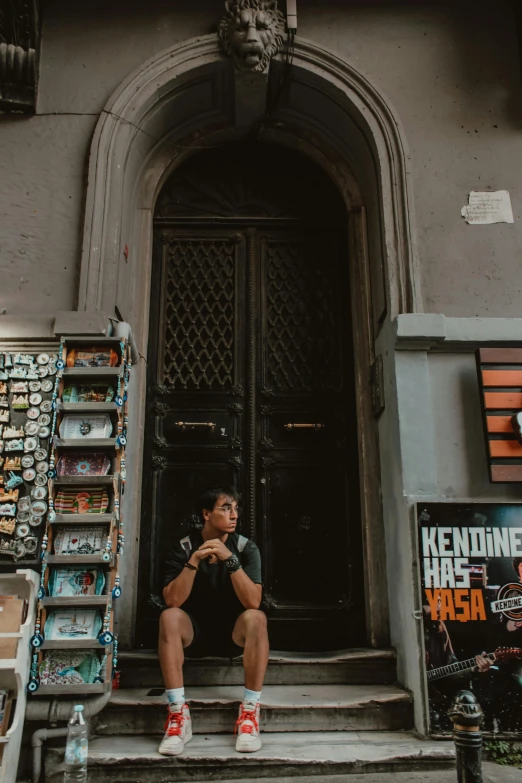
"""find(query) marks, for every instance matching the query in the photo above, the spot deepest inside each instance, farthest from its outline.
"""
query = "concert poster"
(471, 572)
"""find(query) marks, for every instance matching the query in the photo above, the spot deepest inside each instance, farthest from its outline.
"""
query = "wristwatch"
(232, 563)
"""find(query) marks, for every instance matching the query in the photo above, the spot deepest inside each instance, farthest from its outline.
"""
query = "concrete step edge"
(276, 657)
(284, 697)
(295, 748)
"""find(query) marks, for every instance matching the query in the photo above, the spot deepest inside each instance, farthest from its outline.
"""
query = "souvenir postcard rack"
(74, 645)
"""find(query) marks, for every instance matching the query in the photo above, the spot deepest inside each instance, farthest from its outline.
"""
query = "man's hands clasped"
(214, 550)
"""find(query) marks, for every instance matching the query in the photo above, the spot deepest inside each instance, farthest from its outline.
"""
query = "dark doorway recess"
(250, 337)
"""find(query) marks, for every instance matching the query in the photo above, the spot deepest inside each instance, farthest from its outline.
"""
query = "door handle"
(317, 426)
(188, 425)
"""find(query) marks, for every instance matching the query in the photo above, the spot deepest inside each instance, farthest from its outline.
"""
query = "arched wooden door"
(251, 383)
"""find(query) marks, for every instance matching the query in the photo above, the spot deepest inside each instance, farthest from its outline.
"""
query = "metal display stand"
(14, 672)
(110, 522)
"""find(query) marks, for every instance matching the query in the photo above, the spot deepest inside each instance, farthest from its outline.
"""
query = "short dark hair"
(209, 497)
(516, 563)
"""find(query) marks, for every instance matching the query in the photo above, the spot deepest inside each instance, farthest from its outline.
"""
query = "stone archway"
(180, 101)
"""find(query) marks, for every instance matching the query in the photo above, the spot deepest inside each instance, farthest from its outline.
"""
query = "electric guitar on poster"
(501, 655)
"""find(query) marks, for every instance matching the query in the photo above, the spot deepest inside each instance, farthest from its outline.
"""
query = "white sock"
(176, 695)
(251, 696)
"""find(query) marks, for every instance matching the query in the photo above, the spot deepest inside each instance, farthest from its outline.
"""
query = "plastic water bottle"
(77, 747)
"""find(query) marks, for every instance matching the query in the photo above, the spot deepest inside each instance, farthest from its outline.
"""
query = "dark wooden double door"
(251, 384)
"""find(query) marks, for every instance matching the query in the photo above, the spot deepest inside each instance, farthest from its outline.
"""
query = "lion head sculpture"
(252, 31)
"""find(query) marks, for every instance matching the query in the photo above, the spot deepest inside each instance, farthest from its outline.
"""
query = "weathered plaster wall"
(450, 70)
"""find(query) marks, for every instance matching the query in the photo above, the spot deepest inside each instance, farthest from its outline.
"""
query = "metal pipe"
(37, 740)
(467, 716)
(54, 710)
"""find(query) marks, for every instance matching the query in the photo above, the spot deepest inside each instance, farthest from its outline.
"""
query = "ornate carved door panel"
(251, 384)
(250, 374)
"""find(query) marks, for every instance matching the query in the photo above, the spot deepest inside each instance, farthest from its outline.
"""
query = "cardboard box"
(12, 615)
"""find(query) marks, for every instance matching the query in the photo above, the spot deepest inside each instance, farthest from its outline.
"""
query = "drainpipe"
(37, 741)
(54, 710)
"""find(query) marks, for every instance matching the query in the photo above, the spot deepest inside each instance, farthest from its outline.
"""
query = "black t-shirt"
(212, 593)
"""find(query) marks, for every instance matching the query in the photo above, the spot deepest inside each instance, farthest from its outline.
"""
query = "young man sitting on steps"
(213, 593)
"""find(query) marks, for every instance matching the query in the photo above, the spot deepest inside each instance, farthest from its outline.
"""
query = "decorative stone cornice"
(130, 126)
(19, 48)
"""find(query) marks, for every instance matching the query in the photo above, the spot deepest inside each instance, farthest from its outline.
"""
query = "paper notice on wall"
(488, 207)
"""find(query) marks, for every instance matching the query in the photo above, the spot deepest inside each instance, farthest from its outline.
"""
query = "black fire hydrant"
(467, 716)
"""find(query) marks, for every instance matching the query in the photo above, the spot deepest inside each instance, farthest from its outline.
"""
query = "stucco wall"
(450, 70)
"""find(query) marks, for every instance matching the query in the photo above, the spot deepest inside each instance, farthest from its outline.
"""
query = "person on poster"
(213, 592)
(439, 653)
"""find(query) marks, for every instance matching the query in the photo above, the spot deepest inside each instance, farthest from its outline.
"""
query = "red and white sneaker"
(247, 728)
(178, 730)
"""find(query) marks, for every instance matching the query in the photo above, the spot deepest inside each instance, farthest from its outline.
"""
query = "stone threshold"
(129, 758)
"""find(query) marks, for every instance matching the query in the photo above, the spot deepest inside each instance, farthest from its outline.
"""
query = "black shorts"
(212, 638)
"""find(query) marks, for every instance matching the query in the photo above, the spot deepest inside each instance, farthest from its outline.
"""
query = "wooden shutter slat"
(500, 355)
(499, 424)
(505, 448)
(505, 473)
(502, 377)
(503, 400)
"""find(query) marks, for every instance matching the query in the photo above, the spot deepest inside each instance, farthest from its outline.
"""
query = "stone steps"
(128, 759)
(357, 666)
(285, 708)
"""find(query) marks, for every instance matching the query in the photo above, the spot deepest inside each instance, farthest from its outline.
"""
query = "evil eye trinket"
(37, 640)
(105, 638)
(59, 364)
(33, 685)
